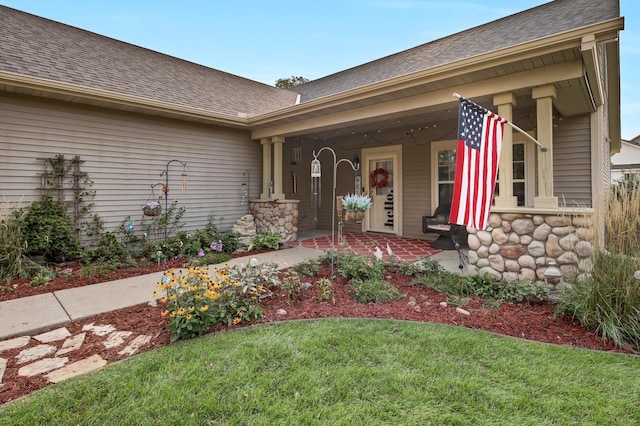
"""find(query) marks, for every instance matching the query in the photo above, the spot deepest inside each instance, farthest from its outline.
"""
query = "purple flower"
(216, 246)
(201, 253)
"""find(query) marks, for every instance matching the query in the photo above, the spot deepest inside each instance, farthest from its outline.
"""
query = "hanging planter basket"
(152, 210)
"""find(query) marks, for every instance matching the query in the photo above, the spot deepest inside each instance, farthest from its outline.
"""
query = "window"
(443, 166)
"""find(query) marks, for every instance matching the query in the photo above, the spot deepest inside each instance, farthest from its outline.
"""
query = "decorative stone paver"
(3, 367)
(34, 353)
(38, 359)
(116, 339)
(72, 344)
(135, 345)
(74, 369)
(99, 330)
(53, 335)
(43, 366)
(15, 343)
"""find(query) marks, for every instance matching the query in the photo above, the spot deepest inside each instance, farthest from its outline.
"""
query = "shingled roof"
(543, 21)
(41, 48)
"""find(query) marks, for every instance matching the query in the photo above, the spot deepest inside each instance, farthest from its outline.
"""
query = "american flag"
(479, 142)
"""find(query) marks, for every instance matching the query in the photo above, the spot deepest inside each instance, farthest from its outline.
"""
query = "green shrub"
(268, 239)
(230, 240)
(482, 286)
(291, 284)
(326, 291)
(307, 268)
(373, 291)
(96, 270)
(356, 267)
(49, 231)
(444, 282)
(40, 280)
(211, 258)
(109, 249)
(253, 274)
(14, 262)
(164, 225)
(609, 300)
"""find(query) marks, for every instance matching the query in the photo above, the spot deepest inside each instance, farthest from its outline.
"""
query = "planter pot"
(353, 216)
(151, 212)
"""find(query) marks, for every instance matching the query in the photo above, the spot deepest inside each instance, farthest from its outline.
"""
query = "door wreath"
(379, 178)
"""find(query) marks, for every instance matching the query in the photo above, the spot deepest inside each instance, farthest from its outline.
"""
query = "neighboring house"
(128, 111)
(626, 162)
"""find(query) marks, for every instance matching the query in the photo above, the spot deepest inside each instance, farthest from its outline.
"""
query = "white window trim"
(435, 147)
(529, 160)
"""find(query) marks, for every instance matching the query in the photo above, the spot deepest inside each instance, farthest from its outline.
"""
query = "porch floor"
(406, 249)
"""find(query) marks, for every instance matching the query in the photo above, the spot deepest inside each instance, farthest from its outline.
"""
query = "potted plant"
(355, 206)
(152, 208)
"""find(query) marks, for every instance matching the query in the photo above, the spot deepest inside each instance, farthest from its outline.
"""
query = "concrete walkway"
(34, 314)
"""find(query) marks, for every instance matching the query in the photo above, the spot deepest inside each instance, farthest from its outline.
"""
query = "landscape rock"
(116, 339)
(72, 344)
(135, 345)
(74, 369)
(246, 229)
(99, 330)
(34, 353)
(14, 343)
(43, 366)
(53, 335)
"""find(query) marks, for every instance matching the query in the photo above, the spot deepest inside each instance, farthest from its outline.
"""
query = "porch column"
(544, 97)
(278, 142)
(266, 167)
(505, 103)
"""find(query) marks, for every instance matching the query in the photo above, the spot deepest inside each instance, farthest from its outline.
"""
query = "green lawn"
(347, 372)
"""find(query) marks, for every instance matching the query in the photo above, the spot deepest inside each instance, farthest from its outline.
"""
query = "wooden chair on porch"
(438, 223)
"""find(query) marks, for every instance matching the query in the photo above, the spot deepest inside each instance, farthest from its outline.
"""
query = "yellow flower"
(165, 313)
(204, 308)
(239, 313)
(236, 321)
(189, 316)
(192, 308)
(164, 299)
(172, 314)
(181, 311)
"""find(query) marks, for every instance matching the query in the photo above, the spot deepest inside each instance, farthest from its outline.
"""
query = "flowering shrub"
(196, 301)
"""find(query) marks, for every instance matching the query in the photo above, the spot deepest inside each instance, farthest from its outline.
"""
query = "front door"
(382, 180)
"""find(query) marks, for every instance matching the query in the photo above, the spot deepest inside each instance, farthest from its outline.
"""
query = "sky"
(265, 40)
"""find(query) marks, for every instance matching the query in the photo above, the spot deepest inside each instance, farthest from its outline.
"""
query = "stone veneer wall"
(519, 246)
(280, 216)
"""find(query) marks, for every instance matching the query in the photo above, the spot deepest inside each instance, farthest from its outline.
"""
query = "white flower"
(389, 252)
(378, 253)
(254, 262)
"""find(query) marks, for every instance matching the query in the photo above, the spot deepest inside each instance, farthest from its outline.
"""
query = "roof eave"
(120, 101)
(602, 31)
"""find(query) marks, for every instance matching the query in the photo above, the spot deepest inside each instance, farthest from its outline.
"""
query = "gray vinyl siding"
(417, 187)
(124, 154)
(572, 162)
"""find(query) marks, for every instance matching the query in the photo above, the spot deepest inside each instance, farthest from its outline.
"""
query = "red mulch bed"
(533, 322)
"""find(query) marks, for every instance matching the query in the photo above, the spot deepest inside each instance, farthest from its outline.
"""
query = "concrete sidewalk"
(34, 314)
